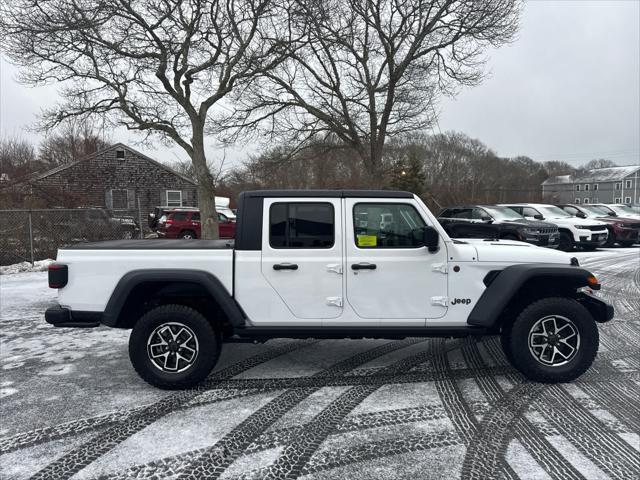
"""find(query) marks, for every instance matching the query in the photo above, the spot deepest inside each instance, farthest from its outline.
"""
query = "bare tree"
(160, 67)
(367, 70)
(17, 159)
(598, 163)
(73, 141)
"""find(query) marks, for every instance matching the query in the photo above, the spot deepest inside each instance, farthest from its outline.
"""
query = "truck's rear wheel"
(173, 347)
(553, 340)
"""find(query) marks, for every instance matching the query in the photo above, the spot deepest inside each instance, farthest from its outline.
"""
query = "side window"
(464, 213)
(571, 210)
(529, 212)
(385, 225)
(301, 225)
(179, 216)
(221, 218)
(195, 217)
(478, 214)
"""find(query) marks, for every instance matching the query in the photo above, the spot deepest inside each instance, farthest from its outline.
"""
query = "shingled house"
(117, 178)
(599, 185)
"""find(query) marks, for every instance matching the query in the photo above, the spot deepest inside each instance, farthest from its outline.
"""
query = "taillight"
(168, 222)
(58, 275)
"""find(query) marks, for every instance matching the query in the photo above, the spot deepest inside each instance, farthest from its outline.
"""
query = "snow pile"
(39, 266)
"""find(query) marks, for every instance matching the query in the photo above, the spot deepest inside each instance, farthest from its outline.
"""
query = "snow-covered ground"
(72, 406)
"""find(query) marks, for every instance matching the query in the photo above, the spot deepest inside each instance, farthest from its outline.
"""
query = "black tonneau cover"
(154, 244)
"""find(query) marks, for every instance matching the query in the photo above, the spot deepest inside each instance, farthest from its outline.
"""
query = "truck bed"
(154, 244)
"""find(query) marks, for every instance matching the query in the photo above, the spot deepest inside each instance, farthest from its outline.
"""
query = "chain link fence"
(31, 235)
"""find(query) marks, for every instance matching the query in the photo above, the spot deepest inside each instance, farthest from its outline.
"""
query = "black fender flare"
(507, 283)
(208, 281)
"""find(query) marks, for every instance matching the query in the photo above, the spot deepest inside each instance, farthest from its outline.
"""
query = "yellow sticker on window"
(367, 240)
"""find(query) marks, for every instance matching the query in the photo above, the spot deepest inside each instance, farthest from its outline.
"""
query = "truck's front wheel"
(553, 340)
(173, 347)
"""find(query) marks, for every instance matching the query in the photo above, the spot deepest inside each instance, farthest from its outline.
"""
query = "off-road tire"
(517, 340)
(566, 242)
(208, 351)
(188, 234)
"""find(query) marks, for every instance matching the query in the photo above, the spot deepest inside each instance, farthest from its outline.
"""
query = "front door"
(302, 254)
(387, 275)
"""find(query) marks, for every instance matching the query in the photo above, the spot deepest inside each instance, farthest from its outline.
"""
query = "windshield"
(622, 209)
(551, 211)
(503, 213)
(601, 212)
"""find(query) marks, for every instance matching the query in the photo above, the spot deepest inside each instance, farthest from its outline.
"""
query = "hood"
(525, 222)
(580, 221)
(512, 251)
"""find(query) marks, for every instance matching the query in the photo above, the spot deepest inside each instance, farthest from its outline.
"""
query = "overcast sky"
(567, 89)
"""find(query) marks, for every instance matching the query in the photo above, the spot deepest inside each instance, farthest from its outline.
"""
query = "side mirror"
(612, 214)
(430, 238)
(537, 216)
(581, 215)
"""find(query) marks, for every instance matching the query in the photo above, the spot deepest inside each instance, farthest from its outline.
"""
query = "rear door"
(387, 276)
(302, 254)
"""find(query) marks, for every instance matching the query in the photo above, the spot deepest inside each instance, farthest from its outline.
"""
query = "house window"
(174, 198)
(586, 187)
(586, 200)
(616, 200)
(627, 200)
(577, 188)
(119, 199)
(627, 184)
(595, 186)
(618, 186)
(577, 201)
(120, 154)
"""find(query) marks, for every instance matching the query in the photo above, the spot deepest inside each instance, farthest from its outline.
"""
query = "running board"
(260, 334)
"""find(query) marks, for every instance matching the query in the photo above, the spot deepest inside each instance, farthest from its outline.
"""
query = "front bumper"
(592, 240)
(63, 317)
(549, 241)
(600, 310)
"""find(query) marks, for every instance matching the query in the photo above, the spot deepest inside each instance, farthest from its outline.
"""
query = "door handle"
(363, 266)
(285, 266)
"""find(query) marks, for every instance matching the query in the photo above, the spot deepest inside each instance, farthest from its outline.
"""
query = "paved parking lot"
(71, 404)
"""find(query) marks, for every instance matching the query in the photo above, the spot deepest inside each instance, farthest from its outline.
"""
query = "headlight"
(581, 227)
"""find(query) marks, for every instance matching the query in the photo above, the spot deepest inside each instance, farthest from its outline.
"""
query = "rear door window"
(301, 225)
(179, 216)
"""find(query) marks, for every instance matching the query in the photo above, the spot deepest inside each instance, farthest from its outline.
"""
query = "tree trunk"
(206, 189)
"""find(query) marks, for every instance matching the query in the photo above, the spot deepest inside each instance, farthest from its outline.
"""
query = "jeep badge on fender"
(465, 301)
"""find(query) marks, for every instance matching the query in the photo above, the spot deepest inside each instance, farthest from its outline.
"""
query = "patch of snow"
(22, 267)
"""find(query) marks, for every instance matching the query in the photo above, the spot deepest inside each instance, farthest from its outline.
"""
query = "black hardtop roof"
(327, 193)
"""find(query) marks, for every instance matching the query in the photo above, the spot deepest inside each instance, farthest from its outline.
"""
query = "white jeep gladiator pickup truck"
(329, 264)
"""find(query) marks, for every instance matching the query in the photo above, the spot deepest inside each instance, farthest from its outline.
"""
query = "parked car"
(574, 232)
(485, 221)
(185, 223)
(96, 223)
(624, 231)
(159, 214)
(330, 264)
(618, 210)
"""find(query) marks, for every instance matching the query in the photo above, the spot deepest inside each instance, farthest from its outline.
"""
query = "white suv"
(586, 233)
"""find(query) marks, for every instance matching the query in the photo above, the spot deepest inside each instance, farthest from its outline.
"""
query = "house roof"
(61, 168)
(610, 174)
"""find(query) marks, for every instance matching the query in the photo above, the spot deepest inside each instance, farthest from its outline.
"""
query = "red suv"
(181, 223)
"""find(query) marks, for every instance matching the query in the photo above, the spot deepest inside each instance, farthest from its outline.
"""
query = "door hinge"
(334, 301)
(335, 267)
(442, 301)
(440, 267)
